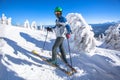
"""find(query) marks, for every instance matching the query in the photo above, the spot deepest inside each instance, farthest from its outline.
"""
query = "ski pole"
(69, 51)
(45, 41)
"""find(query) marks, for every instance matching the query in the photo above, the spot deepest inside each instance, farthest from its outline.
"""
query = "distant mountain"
(100, 28)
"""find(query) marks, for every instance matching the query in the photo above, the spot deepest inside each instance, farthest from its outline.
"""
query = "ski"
(67, 64)
(69, 73)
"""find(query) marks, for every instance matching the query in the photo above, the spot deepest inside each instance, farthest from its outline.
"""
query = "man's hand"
(67, 35)
(49, 29)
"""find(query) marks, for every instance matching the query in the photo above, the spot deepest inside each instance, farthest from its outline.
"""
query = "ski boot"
(54, 62)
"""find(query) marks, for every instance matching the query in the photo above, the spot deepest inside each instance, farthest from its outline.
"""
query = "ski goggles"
(57, 12)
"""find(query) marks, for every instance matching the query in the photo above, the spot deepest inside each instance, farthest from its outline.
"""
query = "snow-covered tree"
(9, 21)
(112, 39)
(101, 37)
(41, 27)
(83, 36)
(33, 25)
(26, 24)
(3, 19)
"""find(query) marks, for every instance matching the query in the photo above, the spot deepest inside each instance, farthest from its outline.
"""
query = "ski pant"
(58, 44)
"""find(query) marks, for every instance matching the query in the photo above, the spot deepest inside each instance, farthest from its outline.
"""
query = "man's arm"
(68, 31)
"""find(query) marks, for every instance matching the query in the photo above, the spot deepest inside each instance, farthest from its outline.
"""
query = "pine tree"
(26, 24)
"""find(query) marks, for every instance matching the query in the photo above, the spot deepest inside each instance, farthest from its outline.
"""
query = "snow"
(18, 63)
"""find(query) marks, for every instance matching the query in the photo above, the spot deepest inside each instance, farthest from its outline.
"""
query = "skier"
(60, 30)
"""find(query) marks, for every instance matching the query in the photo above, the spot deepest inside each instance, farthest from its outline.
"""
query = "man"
(60, 30)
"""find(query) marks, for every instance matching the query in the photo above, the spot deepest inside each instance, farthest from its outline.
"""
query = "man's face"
(58, 14)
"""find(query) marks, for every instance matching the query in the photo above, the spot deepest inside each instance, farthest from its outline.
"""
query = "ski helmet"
(58, 9)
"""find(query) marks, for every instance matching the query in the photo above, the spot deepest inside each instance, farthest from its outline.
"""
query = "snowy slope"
(18, 63)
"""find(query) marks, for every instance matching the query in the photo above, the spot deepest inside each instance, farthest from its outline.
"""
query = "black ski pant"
(58, 44)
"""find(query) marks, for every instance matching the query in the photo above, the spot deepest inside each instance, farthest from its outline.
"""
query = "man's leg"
(63, 54)
(57, 43)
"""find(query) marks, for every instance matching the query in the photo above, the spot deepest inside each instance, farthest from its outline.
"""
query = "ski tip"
(34, 51)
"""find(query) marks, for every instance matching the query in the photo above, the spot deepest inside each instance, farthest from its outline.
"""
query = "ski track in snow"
(18, 63)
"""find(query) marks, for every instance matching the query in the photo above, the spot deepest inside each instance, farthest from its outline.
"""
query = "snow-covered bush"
(83, 36)
(112, 39)
(26, 24)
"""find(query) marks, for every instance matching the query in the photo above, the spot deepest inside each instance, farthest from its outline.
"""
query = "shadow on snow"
(6, 74)
(19, 61)
(38, 43)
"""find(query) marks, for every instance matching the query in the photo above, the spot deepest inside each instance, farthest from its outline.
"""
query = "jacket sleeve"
(54, 27)
(64, 23)
(68, 29)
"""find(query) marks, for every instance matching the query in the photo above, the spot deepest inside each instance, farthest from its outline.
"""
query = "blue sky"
(42, 11)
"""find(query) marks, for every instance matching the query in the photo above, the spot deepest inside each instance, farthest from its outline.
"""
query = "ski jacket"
(62, 27)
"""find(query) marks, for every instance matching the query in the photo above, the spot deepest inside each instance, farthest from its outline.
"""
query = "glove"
(67, 35)
(49, 29)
